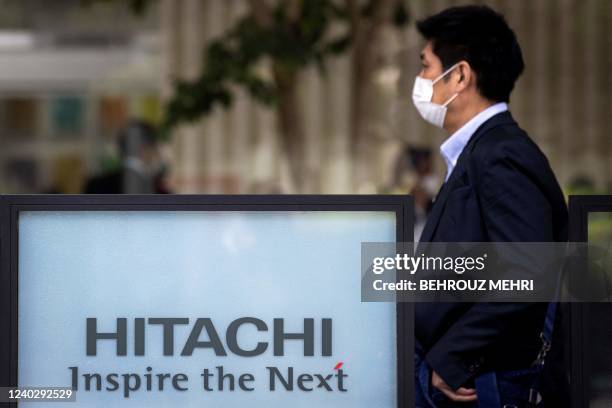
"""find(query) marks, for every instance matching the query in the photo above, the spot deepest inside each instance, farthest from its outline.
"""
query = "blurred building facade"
(564, 100)
(122, 65)
(70, 76)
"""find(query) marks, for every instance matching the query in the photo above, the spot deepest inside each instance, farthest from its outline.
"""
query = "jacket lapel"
(433, 219)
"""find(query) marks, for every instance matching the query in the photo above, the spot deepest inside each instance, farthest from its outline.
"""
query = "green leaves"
(292, 41)
(289, 43)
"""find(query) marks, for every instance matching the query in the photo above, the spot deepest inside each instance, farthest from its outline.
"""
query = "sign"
(221, 301)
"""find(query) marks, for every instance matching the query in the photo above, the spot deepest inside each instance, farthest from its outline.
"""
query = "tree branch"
(262, 12)
(293, 8)
(354, 14)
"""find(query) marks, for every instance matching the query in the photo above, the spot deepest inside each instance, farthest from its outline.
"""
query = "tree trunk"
(291, 127)
(290, 123)
(366, 59)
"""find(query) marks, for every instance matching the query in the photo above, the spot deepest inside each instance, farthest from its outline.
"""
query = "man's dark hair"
(480, 36)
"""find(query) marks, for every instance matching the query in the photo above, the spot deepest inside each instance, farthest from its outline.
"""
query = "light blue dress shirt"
(454, 145)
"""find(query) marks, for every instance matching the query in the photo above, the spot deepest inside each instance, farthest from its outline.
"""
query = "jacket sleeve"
(513, 209)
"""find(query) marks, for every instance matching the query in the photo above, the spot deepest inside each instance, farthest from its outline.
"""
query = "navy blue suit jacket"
(502, 189)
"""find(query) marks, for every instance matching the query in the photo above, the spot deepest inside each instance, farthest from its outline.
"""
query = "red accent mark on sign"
(338, 366)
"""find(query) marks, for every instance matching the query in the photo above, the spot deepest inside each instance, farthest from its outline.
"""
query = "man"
(498, 187)
(141, 170)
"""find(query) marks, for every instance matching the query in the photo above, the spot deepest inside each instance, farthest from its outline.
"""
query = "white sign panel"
(204, 309)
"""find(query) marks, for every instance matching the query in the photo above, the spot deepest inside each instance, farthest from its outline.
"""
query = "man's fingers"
(461, 395)
(465, 391)
(453, 396)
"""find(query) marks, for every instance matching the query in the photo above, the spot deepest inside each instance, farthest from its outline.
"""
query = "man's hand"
(461, 395)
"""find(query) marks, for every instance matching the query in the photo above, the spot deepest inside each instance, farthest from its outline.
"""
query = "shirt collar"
(454, 145)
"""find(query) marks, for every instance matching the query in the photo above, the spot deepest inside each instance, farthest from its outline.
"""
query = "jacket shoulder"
(507, 143)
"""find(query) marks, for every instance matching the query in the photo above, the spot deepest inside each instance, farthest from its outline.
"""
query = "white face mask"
(422, 93)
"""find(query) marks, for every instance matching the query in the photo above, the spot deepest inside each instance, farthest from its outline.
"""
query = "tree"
(291, 35)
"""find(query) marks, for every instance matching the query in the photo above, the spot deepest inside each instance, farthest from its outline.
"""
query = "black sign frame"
(580, 206)
(12, 205)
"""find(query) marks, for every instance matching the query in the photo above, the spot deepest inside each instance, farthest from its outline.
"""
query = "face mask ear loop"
(444, 73)
(452, 98)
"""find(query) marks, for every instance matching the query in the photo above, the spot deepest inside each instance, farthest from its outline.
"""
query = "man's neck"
(455, 121)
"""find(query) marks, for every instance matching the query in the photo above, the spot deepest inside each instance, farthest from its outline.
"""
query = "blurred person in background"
(141, 171)
(413, 174)
(425, 187)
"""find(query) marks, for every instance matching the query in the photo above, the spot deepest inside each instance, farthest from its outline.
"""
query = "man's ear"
(466, 76)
